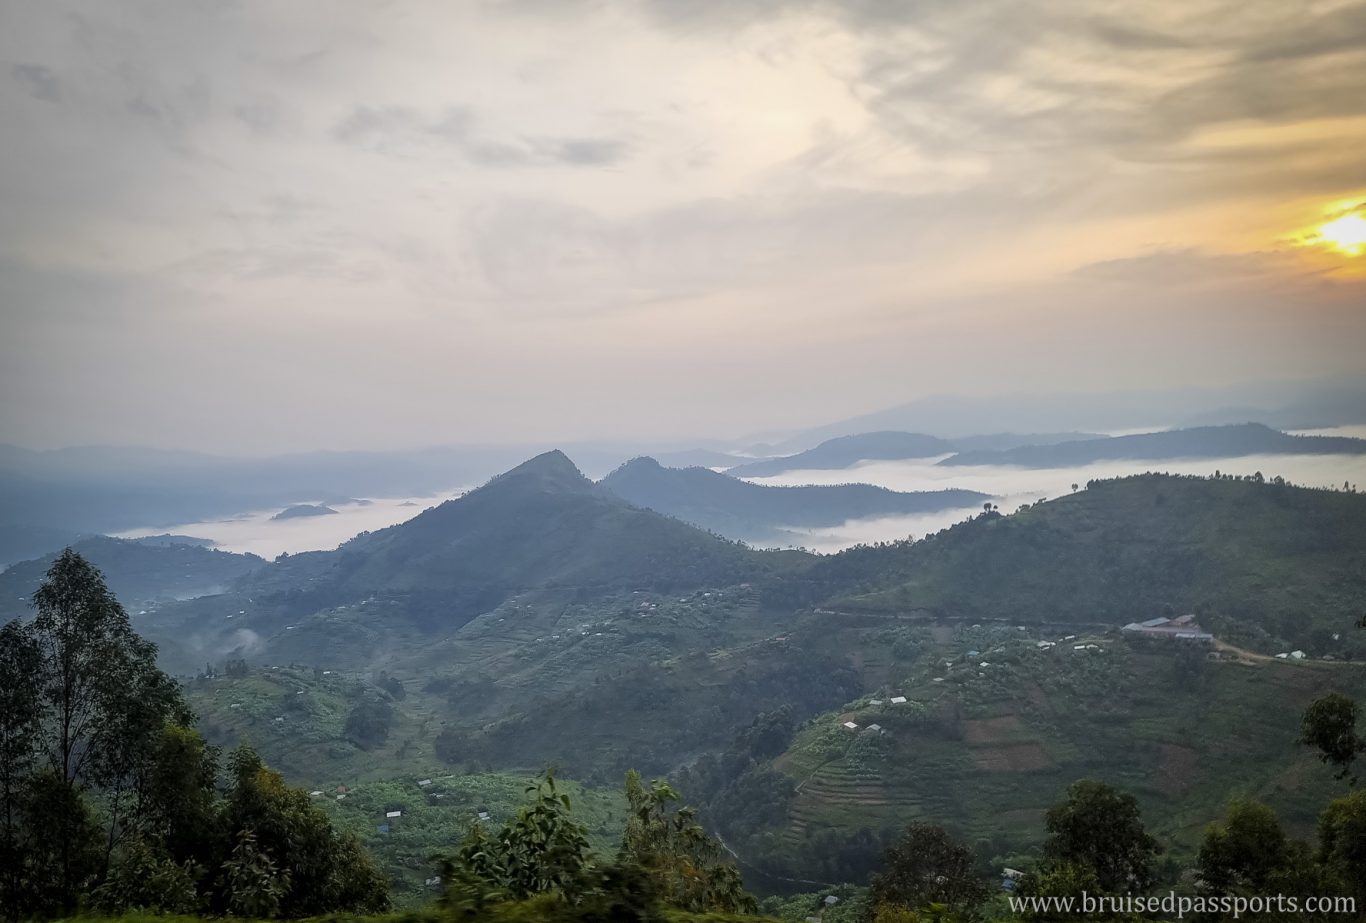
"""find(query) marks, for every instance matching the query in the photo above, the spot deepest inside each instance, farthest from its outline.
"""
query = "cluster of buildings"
(1181, 628)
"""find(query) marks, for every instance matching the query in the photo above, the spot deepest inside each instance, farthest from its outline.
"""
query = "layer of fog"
(256, 533)
(1012, 486)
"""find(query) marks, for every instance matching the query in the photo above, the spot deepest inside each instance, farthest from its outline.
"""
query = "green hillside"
(985, 743)
(541, 532)
(739, 689)
(1266, 564)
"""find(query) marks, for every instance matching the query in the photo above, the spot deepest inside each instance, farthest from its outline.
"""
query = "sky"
(266, 227)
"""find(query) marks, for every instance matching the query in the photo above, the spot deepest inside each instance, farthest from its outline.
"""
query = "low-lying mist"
(257, 533)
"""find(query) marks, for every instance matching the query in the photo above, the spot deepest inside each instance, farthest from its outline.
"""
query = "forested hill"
(1197, 442)
(757, 512)
(541, 528)
(542, 524)
(1268, 559)
(848, 450)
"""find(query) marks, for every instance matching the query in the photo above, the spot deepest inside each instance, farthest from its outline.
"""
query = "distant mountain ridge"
(844, 451)
(763, 513)
(1277, 404)
(1196, 442)
(303, 511)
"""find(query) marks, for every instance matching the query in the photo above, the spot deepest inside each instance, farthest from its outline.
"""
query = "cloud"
(38, 81)
(404, 131)
(579, 216)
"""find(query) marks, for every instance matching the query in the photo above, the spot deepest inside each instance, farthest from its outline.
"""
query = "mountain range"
(844, 451)
(767, 514)
(1197, 442)
(546, 618)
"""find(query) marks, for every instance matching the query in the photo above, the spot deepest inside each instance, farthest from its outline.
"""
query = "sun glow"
(1346, 234)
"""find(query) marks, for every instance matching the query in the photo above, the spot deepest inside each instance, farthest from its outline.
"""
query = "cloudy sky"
(271, 226)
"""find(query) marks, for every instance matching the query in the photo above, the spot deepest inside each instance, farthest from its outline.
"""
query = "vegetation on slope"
(1265, 563)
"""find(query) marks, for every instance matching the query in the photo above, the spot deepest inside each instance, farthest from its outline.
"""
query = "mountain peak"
(640, 464)
(552, 468)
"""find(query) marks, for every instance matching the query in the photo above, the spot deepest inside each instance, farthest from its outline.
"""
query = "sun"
(1346, 234)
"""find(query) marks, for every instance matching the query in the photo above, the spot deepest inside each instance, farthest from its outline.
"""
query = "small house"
(388, 814)
(898, 700)
(851, 725)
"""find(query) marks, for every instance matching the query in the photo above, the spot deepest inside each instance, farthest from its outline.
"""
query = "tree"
(61, 846)
(175, 804)
(367, 726)
(1245, 852)
(1249, 854)
(327, 871)
(84, 635)
(20, 720)
(102, 694)
(928, 867)
(1329, 724)
(144, 879)
(1099, 827)
(87, 720)
(1054, 881)
(252, 884)
(691, 868)
(1342, 843)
